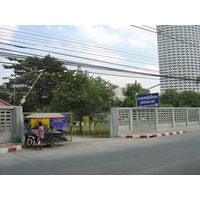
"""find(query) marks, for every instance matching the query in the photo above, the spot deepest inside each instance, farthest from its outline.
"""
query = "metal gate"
(98, 126)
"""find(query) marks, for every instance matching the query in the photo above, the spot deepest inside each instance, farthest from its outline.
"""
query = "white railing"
(129, 120)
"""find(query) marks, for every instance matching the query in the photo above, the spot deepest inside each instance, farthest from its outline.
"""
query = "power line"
(122, 75)
(74, 56)
(161, 32)
(149, 27)
(75, 42)
(144, 29)
(87, 65)
(93, 54)
(98, 67)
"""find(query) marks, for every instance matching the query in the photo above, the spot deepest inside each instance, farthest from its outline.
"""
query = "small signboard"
(148, 100)
(59, 123)
(85, 120)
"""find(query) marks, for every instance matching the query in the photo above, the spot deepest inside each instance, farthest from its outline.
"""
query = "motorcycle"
(33, 138)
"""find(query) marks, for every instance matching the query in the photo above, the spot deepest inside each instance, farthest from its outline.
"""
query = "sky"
(122, 47)
(94, 28)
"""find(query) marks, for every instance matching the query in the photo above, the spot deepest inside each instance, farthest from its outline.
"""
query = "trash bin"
(17, 139)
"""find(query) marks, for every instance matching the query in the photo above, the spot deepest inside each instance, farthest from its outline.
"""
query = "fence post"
(187, 117)
(131, 119)
(173, 121)
(199, 117)
(156, 118)
(115, 121)
(110, 126)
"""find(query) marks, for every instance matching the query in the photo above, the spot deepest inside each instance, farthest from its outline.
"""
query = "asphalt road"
(170, 155)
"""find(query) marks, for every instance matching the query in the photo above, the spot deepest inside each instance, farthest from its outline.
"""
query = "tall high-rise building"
(179, 56)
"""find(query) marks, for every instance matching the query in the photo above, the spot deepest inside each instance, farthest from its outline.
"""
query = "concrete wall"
(11, 123)
(133, 120)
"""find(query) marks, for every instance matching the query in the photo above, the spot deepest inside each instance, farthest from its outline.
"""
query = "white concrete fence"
(123, 120)
(11, 123)
(132, 120)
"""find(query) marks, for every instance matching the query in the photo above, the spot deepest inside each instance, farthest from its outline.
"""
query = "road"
(170, 155)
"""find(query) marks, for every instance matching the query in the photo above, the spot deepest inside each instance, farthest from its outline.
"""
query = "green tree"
(26, 72)
(5, 93)
(83, 95)
(130, 93)
(198, 80)
(188, 99)
(169, 98)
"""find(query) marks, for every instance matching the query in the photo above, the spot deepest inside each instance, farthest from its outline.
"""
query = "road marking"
(16, 157)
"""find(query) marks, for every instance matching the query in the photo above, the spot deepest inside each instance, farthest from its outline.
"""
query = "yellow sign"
(85, 120)
(34, 122)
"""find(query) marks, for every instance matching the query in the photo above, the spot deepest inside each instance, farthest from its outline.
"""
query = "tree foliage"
(5, 94)
(171, 98)
(130, 92)
(26, 72)
(83, 95)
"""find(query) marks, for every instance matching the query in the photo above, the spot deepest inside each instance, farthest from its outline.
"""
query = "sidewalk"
(161, 132)
(10, 147)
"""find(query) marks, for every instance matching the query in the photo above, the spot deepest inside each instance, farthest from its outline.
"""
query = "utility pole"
(16, 80)
(24, 98)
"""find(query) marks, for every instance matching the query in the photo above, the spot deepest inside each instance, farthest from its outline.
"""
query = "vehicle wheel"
(30, 142)
(53, 142)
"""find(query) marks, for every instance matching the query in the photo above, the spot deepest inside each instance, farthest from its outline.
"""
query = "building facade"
(179, 56)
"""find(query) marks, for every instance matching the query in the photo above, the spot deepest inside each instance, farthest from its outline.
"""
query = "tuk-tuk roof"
(44, 116)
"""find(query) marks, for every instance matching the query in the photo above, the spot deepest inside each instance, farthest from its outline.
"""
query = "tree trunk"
(80, 126)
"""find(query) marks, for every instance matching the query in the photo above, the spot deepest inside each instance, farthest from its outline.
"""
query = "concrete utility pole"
(16, 80)
(24, 98)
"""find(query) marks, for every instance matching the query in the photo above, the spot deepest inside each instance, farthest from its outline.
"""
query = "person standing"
(40, 135)
(26, 132)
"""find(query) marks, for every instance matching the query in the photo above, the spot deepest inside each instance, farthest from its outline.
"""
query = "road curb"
(10, 149)
(152, 135)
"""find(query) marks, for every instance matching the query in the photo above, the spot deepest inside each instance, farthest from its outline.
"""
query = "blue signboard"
(59, 123)
(148, 100)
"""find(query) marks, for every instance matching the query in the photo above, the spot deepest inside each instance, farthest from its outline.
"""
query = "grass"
(101, 130)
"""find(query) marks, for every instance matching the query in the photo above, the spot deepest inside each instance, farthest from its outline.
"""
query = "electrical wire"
(169, 35)
(94, 54)
(144, 29)
(72, 63)
(74, 56)
(85, 65)
(98, 67)
(94, 66)
(75, 42)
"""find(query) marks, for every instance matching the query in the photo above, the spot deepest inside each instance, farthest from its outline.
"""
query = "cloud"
(119, 34)
(102, 54)
(7, 33)
(49, 27)
(60, 28)
(4, 72)
(136, 37)
(99, 34)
